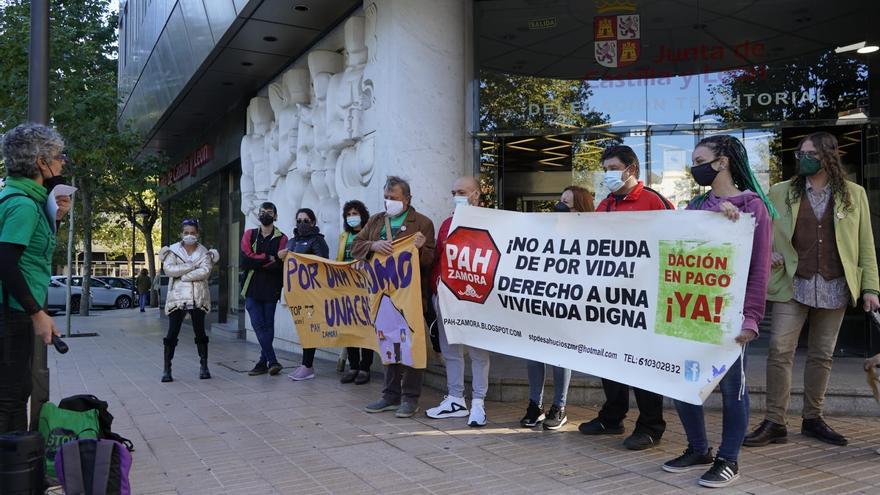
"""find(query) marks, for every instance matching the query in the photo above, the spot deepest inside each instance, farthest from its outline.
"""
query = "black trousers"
(360, 358)
(16, 355)
(617, 405)
(175, 321)
(309, 357)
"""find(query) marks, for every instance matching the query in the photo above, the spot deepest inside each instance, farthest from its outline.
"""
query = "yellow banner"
(375, 304)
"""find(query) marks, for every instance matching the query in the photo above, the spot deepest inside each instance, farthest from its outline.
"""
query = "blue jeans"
(735, 417)
(262, 315)
(142, 300)
(561, 379)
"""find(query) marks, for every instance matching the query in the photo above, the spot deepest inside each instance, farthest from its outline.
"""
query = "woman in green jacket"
(823, 260)
(354, 216)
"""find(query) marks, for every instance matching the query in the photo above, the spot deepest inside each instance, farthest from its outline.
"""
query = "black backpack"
(86, 402)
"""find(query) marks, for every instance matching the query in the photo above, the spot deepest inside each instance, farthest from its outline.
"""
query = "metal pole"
(69, 263)
(133, 239)
(38, 111)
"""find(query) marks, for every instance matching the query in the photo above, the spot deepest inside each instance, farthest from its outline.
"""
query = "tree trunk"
(147, 230)
(86, 219)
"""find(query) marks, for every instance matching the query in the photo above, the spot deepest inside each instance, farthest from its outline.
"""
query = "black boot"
(202, 346)
(169, 355)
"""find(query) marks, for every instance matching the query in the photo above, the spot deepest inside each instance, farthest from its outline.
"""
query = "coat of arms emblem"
(617, 40)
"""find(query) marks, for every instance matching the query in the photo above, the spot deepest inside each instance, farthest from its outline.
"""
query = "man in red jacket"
(628, 193)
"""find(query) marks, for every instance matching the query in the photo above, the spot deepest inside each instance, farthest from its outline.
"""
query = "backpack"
(94, 467)
(59, 426)
(86, 402)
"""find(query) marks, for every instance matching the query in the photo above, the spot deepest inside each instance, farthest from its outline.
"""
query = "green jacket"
(855, 243)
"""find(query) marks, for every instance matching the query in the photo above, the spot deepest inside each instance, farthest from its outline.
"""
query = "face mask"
(53, 181)
(353, 221)
(561, 207)
(613, 180)
(808, 166)
(393, 207)
(267, 219)
(189, 240)
(460, 200)
(704, 174)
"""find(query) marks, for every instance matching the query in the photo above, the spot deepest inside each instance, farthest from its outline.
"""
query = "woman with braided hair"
(721, 162)
(823, 260)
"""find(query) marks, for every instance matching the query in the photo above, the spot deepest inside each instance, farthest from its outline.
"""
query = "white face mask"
(613, 180)
(393, 207)
(353, 221)
(189, 240)
(460, 200)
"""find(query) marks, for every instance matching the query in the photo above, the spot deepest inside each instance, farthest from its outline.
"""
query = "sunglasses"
(60, 157)
(193, 222)
(303, 221)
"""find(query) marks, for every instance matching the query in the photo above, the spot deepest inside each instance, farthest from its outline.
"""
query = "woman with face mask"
(307, 239)
(574, 199)
(721, 162)
(188, 266)
(354, 217)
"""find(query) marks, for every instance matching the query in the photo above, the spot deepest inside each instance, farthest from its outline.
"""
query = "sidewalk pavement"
(236, 434)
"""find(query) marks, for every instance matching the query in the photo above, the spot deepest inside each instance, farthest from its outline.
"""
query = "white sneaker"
(478, 413)
(451, 407)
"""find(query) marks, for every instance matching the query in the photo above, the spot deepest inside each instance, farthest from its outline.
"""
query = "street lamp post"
(133, 239)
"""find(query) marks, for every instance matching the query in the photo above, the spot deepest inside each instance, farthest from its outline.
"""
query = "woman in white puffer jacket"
(188, 265)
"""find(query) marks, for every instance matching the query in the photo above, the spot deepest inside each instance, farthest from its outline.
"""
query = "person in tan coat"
(403, 385)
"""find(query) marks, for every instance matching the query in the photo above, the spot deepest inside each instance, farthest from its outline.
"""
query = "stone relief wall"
(310, 144)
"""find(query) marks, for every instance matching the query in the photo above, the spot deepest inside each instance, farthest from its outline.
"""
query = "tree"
(82, 96)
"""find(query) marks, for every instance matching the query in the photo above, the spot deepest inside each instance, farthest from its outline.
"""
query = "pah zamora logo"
(617, 39)
(470, 260)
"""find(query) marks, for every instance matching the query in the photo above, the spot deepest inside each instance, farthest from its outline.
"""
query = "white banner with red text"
(650, 299)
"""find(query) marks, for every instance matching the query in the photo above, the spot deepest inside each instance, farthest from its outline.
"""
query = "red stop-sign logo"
(470, 259)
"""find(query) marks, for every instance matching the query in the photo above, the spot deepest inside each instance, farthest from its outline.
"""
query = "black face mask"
(561, 207)
(53, 181)
(267, 219)
(704, 174)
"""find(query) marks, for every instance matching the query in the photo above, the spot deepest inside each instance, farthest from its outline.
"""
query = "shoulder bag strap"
(101, 473)
(388, 234)
(72, 464)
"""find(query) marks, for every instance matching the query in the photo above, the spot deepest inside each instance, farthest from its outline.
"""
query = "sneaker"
(555, 418)
(274, 368)
(477, 417)
(302, 373)
(259, 369)
(534, 415)
(381, 405)
(640, 441)
(688, 461)
(721, 474)
(406, 410)
(348, 376)
(451, 407)
(362, 377)
(596, 427)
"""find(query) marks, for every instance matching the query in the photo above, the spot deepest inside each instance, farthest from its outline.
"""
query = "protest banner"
(650, 299)
(375, 304)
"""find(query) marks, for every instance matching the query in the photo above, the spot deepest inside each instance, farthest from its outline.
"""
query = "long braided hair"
(829, 154)
(743, 177)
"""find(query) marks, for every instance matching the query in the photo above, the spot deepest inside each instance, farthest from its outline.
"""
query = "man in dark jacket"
(263, 283)
(143, 285)
(403, 385)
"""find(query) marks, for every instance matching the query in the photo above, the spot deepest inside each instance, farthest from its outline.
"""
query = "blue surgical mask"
(613, 180)
(460, 200)
(353, 221)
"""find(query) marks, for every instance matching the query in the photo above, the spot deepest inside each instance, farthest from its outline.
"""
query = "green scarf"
(30, 187)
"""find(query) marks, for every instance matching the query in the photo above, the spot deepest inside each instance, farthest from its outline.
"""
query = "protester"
(262, 284)
(403, 385)
(143, 285)
(34, 162)
(354, 217)
(579, 200)
(721, 162)
(307, 239)
(188, 265)
(465, 191)
(823, 258)
(621, 167)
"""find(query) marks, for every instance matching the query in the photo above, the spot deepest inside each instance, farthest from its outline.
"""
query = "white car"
(102, 294)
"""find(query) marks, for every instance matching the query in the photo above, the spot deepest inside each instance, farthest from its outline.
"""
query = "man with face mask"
(403, 385)
(621, 167)
(465, 191)
(262, 262)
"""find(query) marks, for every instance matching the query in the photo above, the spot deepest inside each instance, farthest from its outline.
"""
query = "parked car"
(102, 293)
(57, 297)
(120, 283)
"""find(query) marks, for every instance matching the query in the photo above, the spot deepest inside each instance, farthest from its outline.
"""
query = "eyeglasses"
(303, 221)
(60, 157)
(805, 154)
